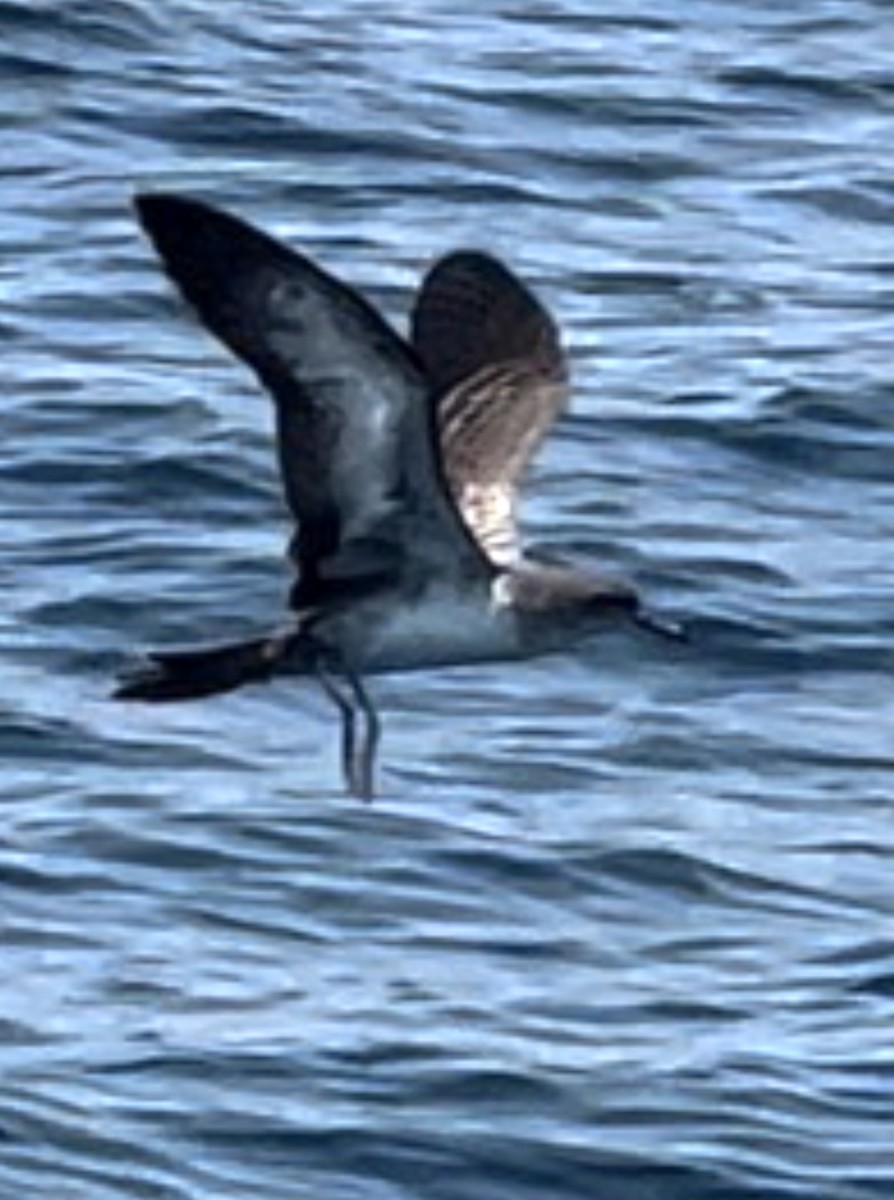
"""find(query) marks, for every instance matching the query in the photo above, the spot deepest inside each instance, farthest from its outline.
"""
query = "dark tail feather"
(189, 674)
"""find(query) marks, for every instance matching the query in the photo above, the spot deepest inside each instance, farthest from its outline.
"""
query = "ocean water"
(621, 923)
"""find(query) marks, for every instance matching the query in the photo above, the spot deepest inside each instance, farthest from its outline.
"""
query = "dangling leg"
(364, 758)
(332, 687)
(358, 755)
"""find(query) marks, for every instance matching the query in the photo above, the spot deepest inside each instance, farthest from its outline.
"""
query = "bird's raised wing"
(356, 434)
(494, 361)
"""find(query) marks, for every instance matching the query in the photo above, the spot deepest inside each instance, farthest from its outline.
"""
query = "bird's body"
(400, 465)
(441, 626)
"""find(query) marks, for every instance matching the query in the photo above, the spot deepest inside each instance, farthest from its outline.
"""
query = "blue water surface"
(621, 924)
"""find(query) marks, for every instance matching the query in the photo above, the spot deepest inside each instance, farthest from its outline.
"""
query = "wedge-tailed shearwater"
(400, 463)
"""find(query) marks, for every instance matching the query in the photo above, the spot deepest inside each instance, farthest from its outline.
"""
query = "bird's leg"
(364, 760)
(333, 688)
(358, 755)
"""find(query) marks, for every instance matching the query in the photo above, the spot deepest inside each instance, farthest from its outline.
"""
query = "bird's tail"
(189, 674)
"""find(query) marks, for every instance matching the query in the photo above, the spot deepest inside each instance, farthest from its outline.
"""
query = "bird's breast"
(442, 626)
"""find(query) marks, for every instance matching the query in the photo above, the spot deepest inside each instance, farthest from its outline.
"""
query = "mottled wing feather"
(491, 424)
(494, 361)
(356, 442)
(472, 312)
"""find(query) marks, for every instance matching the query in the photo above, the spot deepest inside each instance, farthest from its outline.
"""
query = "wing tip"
(473, 311)
(156, 210)
(175, 223)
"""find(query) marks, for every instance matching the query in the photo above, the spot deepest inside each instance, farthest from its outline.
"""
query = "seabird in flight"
(400, 462)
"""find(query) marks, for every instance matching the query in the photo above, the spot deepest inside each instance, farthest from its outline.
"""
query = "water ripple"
(620, 923)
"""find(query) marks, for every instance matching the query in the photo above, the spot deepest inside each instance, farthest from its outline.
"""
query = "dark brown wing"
(357, 446)
(492, 355)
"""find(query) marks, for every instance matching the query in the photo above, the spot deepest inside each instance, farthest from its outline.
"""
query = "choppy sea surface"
(621, 923)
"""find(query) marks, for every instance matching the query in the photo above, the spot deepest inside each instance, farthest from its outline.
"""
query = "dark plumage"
(400, 465)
